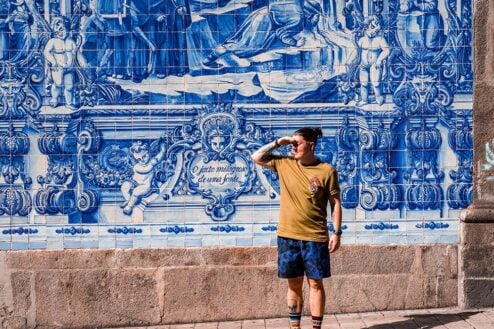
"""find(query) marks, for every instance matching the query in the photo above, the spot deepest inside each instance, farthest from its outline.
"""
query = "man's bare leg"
(317, 297)
(295, 301)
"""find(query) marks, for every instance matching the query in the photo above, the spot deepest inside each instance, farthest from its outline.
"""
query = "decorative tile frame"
(130, 124)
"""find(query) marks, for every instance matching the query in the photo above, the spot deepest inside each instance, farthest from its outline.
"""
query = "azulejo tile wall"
(130, 123)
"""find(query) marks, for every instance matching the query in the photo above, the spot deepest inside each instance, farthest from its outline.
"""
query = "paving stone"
(207, 325)
(398, 320)
(330, 322)
(489, 314)
(277, 323)
(427, 321)
(453, 321)
(405, 325)
(352, 325)
(350, 321)
(371, 319)
(253, 324)
(348, 316)
(480, 325)
(182, 326)
(395, 315)
(475, 318)
(306, 321)
(230, 325)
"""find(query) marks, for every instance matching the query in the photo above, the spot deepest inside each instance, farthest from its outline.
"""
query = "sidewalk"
(445, 318)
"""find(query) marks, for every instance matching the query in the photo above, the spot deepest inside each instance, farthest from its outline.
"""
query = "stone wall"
(94, 288)
(401, 141)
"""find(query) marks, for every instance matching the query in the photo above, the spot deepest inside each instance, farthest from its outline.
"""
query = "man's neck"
(309, 160)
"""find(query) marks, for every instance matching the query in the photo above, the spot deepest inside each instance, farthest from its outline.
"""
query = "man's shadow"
(425, 321)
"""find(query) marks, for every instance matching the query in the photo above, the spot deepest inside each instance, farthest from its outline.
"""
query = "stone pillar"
(476, 251)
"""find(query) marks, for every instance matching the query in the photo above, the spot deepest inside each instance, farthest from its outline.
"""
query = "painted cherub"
(60, 52)
(374, 51)
(143, 176)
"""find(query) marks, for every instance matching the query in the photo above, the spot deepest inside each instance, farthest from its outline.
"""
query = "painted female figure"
(172, 23)
(19, 22)
(4, 29)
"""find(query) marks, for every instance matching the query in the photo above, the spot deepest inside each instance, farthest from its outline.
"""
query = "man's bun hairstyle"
(310, 134)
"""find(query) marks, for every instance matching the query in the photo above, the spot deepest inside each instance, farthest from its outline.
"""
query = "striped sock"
(295, 320)
(316, 322)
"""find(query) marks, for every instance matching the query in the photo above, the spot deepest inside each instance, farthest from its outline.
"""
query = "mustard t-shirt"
(304, 193)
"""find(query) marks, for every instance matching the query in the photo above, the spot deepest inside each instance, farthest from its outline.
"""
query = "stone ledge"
(138, 258)
(482, 212)
(354, 259)
(478, 213)
(60, 259)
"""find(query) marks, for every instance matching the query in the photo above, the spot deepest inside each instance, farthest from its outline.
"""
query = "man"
(307, 184)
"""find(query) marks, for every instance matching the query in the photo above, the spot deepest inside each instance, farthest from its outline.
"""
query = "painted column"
(65, 8)
(372, 7)
(477, 221)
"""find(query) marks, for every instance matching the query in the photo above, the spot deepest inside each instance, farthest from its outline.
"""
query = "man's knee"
(316, 284)
(296, 284)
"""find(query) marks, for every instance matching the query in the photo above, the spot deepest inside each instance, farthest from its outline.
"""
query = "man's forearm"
(264, 154)
(337, 220)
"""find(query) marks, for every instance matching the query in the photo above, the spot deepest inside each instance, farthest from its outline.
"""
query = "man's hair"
(310, 134)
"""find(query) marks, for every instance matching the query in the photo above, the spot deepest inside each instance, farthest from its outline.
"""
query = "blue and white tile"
(249, 100)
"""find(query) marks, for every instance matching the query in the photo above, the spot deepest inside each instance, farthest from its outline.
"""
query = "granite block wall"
(144, 287)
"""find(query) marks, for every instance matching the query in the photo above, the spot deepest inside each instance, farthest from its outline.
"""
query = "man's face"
(301, 147)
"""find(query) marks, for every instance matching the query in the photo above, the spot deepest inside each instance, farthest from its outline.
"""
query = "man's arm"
(263, 156)
(334, 242)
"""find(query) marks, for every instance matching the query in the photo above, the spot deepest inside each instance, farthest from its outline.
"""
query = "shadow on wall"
(426, 321)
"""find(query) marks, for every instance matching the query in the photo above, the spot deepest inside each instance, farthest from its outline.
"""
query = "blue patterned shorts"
(296, 258)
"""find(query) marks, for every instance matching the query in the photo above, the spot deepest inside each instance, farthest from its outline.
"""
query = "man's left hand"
(334, 243)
